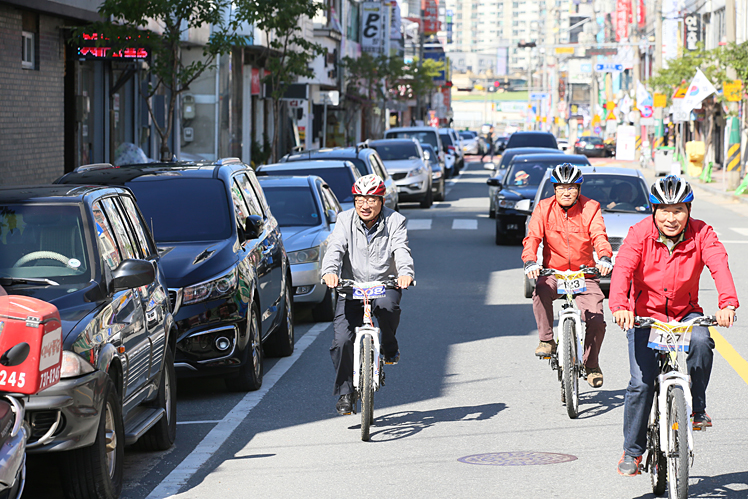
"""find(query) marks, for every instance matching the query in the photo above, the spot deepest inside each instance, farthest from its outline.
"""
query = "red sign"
(641, 15)
(623, 14)
(107, 52)
(255, 81)
(447, 93)
(430, 14)
(433, 120)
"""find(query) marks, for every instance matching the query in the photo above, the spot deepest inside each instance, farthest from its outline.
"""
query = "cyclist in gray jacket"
(369, 243)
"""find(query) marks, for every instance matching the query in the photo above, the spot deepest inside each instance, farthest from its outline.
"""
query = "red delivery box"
(36, 322)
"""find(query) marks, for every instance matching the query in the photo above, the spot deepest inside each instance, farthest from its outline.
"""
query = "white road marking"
(170, 485)
(465, 224)
(419, 223)
(733, 242)
(740, 230)
(199, 422)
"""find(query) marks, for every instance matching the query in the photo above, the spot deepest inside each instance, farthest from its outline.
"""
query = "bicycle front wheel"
(677, 445)
(656, 460)
(367, 389)
(569, 369)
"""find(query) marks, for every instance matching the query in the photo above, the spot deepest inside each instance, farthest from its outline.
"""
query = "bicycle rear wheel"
(367, 390)
(677, 445)
(656, 460)
(570, 371)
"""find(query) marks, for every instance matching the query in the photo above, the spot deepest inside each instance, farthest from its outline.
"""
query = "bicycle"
(569, 335)
(368, 374)
(670, 425)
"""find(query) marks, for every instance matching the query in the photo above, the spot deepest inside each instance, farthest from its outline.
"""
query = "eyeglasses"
(368, 200)
(569, 188)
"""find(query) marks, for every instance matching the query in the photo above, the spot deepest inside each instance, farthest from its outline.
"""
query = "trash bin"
(664, 156)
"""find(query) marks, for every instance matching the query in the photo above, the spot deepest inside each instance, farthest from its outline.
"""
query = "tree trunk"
(276, 129)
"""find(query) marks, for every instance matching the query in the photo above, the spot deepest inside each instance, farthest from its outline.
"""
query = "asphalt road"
(467, 385)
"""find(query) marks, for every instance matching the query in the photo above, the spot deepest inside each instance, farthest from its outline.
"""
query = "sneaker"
(629, 465)
(701, 420)
(545, 349)
(595, 377)
(391, 361)
(345, 404)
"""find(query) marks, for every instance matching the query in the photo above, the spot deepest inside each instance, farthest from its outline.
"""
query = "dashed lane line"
(419, 223)
(730, 354)
(740, 230)
(222, 431)
(465, 224)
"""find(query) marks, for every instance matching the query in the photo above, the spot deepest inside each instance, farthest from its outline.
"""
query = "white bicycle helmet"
(566, 174)
(671, 190)
(369, 185)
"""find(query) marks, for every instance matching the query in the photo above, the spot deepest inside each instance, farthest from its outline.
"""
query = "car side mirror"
(524, 206)
(489, 166)
(254, 227)
(332, 216)
(494, 182)
(133, 273)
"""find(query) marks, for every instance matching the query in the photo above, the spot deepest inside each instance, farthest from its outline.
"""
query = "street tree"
(287, 54)
(159, 26)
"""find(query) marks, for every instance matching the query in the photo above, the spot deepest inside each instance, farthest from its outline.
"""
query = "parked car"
(424, 134)
(362, 156)
(470, 143)
(224, 261)
(87, 250)
(610, 187)
(339, 175)
(500, 169)
(405, 161)
(590, 146)
(532, 139)
(521, 182)
(437, 171)
(306, 210)
(453, 147)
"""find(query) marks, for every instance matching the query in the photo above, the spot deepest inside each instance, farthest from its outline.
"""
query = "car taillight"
(599, 146)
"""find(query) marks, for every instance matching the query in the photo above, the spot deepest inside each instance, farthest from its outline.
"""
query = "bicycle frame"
(569, 310)
(368, 328)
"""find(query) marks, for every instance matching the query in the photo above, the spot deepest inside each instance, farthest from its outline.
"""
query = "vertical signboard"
(371, 27)
(670, 27)
(449, 17)
(623, 13)
(692, 27)
(641, 15)
(430, 16)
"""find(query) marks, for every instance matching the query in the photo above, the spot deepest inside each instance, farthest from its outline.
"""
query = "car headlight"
(506, 203)
(416, 172)
(310, 255)
(209, 290)
(436, 175)
(74, 365)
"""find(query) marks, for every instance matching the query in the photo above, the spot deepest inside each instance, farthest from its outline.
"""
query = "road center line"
(199, 422)
(730, 354)
(170, 485)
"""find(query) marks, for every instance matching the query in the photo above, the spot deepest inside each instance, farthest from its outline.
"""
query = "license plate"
(512, 226)
(373, 292)
(589, 146)
(573, 283)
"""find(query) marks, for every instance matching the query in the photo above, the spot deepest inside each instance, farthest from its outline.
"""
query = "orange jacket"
(568, 237)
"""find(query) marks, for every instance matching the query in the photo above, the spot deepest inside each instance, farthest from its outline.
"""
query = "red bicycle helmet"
(369, 185)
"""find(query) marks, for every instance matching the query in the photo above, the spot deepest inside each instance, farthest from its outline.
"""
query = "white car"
(408, 167)
(470, 143)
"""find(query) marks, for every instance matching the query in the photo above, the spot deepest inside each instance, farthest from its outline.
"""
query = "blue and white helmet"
(566, 174)
(671, 190)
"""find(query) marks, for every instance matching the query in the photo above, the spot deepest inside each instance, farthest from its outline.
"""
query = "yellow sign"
(610, 105)
(596, 119)
(660, 100)
(564, 50)
(733, 91)
(680, 93)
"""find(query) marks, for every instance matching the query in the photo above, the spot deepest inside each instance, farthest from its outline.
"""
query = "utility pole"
(732, 164)
(634, 37)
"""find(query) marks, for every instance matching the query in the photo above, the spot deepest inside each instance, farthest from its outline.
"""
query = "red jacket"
(568, 237)
(666, 286)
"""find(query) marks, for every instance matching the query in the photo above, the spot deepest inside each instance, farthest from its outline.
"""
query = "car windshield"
(446, 139)
(615, 193)
(426, 137)
(467, 135)
(393, 152)
(44, 242)
(169, 208)
(591, 140)
(340, 179)
(292, 206)
(527, 174)
(532, 140)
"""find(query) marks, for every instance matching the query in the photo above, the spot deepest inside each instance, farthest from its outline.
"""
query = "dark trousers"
(590, 303)
(644, 368)
(349, 314)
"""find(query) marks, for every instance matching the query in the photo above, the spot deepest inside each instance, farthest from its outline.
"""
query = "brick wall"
(31, 103)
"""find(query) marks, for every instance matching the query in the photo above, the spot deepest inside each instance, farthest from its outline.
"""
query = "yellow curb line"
(730, 355)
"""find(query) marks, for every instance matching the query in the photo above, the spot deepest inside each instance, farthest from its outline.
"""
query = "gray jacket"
(351, 256)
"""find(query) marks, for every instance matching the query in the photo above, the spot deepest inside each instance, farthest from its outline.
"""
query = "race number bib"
(570, 283)
(372, 292)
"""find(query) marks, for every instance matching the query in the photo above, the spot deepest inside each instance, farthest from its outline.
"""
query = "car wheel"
(428, 200)
(162, 435)
(440, 191)
(325, 311)
(281, 344)
(96, 470)
(250, 372)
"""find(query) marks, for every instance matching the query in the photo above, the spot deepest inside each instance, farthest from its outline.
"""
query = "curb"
(717, 191)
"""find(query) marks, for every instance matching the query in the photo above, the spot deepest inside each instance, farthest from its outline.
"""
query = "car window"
(376, 162)
(125, 244)
(293, 206)
(446, 139)
(105, 237)
(125, 219)
(249, 195)
(525, 174)
(258, 189)
(425, 136)
(241, 211)
(326, 205)
(397, 151)
(622, 193)
(532, 140)
(329, 196)
(340, 179)
(137, 223)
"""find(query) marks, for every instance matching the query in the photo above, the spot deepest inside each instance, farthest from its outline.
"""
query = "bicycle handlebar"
(587, 270)
(708, 320)
(348, 284)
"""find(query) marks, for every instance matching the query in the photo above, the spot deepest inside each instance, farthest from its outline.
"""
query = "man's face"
(671, 218)
(368, 207)
(566, 194)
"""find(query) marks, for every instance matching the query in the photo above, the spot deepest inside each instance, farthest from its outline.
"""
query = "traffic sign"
(608, 67)
(538, 95)
(660, 100)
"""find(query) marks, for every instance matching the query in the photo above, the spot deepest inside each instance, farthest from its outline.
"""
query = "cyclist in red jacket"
(657, 275)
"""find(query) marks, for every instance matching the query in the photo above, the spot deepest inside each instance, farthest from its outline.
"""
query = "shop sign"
(565, 50)
(733, 90)
(692, 26)
(255, 82)
(430, 13)
(623, 14)
(371, 27)
(97, 52)
(600, 51)
(660, 100)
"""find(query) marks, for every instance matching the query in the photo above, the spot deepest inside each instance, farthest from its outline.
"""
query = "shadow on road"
(727, 486)
(598, 403)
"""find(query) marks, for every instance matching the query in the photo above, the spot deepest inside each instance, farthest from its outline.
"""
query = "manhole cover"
(521, 458)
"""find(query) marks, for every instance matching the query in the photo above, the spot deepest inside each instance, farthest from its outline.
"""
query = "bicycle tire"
(569, 370)
(677, 445)
(367, 390)
(656, 460)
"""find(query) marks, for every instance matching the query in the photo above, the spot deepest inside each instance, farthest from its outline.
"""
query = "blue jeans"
(644, 369)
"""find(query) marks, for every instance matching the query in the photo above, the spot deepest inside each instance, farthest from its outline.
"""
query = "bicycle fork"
(665, 381)
(360, 333)
(576, 316)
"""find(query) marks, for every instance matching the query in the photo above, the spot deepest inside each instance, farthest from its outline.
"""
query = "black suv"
(224, 261)
(88, 251)
(364, 158)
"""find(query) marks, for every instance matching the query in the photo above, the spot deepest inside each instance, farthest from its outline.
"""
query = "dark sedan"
(591, 147)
